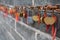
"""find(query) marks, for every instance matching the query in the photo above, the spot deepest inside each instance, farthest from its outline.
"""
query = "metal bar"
(29, 27)
(15, 25)
(9, 33)
(33, 3)
(36, 36)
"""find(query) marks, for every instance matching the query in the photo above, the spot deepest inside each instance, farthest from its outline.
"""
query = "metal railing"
(22, 31)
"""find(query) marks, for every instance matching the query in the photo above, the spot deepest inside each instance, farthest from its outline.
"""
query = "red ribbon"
(45, 15)
(26, 15)
(6, 12)
(17, 17)
(11, 11)
(53, 30)
(26, 18)
(47, 28)
(38, 18)
(54, 36)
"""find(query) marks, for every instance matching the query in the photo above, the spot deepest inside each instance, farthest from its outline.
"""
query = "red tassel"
(47, 27)
(54, 36)
(45, 15)
(38, 18)
(26, 16)
(53, 30)
(17, 17)
(5, 13)
(11, 11)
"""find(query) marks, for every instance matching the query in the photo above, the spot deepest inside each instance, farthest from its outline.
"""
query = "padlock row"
(18, 12)
(22, 12)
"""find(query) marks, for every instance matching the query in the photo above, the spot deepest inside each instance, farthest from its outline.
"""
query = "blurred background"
(27, 33)
(29, 2)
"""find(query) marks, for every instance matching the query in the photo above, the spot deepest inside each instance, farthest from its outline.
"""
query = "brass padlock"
(35, 18)
(49, 20)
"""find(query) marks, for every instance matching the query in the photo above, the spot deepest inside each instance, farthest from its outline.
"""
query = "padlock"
(49, 20)
(44, 16)
(35, 18)
(39, 15)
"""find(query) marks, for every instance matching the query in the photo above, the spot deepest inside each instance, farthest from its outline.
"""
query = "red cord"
(38, 18)
(53, 30)
(17, 17)
(47, 28)
(54, 36)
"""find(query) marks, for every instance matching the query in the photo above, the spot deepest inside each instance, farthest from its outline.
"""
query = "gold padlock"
(49, 20)
(35, 18)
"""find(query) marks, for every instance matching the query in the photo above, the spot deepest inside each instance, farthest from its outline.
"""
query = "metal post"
(33, 3)
(15, 25)
(36, 35)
